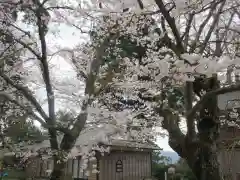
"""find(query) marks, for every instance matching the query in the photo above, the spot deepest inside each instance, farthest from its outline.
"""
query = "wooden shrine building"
(126, 160)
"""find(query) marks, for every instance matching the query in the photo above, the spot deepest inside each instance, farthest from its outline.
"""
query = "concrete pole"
(165, 176)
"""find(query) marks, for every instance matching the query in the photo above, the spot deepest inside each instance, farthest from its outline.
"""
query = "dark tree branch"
(41, 14)
(219, 40)
(44, 67)
(187, 30)
(24, 45)
(171, 23)
(236, 10)
(27, 94)
(231, 29)
(213, 25)
(216, 92)
(31, 113)
(27, 109)
(201, 28)
(140, 3)
(59, 7)
(227, 27)
(188, 96)
(21, 30)
(69, 140)
(218, 50)
(176, 137)
(166, 40)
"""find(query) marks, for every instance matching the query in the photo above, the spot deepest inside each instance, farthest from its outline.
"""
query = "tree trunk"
(66, 145)
(58, 171)
(205, 164)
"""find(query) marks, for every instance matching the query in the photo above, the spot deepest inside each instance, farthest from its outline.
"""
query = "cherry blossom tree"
(167, 64)
(8, 60)
(25, 26)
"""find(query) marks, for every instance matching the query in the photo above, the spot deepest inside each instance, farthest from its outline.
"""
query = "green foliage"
(159, 159)
(122, 47)
(159, 164)
(184, 171)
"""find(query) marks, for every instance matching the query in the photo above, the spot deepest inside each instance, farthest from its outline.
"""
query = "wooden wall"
(229, 153)
(230, 163)
(92, 175)
(33, 168)
(135, 166)
(39, 168)
(229, 133)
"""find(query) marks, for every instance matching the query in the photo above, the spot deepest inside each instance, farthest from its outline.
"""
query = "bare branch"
(187, 30)
(172, 25)
(24, 45)
(201, 28)
(42, 30)
(21, 30)
(44, 67)
(231, 29)
(166, 39)
(219, 40)
(140, 3)
(60, 7)
(215, 20)
(227, 26)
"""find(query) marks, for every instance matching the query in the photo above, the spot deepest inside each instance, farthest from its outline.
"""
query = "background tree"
(184, 171)
(159, 164)
(11, 115)
(36, 13)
